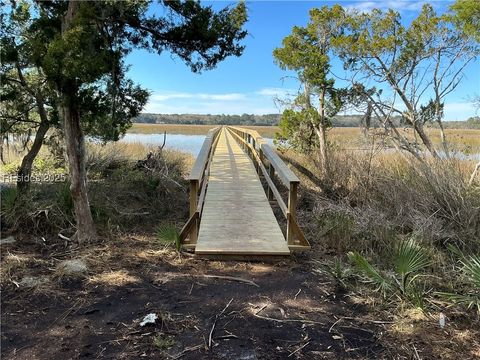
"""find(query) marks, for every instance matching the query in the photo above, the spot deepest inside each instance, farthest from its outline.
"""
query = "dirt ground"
(281, 310)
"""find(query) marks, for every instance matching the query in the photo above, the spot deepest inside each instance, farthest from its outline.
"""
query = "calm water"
(187, 143)
(193, 143)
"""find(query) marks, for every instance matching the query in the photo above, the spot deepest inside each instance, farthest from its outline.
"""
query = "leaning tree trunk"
(321, 131)
(75, 147)
(426, 140)
(322, 149)
(443, 139)
(25, 171)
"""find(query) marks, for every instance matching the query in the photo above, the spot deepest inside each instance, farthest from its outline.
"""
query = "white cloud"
(274, 92)
(399, 5)
(168, 102)
(165, 95)
(261, 101)
(226, 97)
(458, 111)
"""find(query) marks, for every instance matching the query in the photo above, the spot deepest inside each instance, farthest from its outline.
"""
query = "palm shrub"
(8, 203)
(167, 233)
(338, 271)
(408, 260)
(470, 269)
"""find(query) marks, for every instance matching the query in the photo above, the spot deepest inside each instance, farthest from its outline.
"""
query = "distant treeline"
(245, 119)
(273, 119)
(197, 119)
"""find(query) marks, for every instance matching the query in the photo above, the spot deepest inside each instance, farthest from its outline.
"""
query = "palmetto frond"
(409, 258)
(471, 270)
(167, 233)
(369, 271)
(469, 301)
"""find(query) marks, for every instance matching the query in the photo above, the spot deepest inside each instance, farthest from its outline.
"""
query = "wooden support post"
(292, 212)
(254, 159)
(271, 174)
(261, 156)
(193, 209)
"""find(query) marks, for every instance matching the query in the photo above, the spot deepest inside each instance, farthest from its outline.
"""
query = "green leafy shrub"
(339, 271)
(8, 201)
(470, 269)
(409, 259)
(337, 228)
(11, 168)
(64, 199)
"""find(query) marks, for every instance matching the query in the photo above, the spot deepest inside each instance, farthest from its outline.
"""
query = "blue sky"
(250, 83)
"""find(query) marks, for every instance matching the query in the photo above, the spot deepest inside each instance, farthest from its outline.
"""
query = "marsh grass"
(380, 199)
(185, 129)
(460, 140)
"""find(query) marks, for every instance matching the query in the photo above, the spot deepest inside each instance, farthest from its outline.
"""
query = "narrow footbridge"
(233, 186)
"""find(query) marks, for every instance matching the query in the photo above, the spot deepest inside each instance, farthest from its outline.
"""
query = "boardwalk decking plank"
(237, 218)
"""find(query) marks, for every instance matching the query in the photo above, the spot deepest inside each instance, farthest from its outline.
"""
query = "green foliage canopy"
(307, 51)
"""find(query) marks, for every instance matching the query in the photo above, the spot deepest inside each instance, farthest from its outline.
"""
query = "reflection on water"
(188, 143)
(193, 143)
(460, 155)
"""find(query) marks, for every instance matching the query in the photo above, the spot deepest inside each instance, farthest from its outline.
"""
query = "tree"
(26, 99)
(466, 16)
(414, 68)
(29, 101)
(80, 47)
(307, 51)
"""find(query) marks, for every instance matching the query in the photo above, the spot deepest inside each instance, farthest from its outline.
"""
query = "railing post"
(260, 155)
(271, 174)
(193, 209)
(292, 211)
(254, 159)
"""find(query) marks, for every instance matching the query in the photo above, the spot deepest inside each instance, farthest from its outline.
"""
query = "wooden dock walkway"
(230, 210)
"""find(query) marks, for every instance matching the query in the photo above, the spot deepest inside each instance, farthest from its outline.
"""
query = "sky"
(251, 83)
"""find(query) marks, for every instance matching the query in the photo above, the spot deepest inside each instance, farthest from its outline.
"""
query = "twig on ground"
(261, 309)
(229, 336)
(67, 312)
(305, 321)
(298, 293)
(63, 237)
(232, 278)
(215, 322)
(186, 350)
(368, 320)
(335, 323)
(300, 348)
(416, 353)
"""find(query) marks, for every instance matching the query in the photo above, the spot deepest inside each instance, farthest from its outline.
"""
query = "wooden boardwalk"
(230, 212)
(237, 217)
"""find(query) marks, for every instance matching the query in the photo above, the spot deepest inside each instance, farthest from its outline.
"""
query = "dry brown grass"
(374, 198)
(114, 278)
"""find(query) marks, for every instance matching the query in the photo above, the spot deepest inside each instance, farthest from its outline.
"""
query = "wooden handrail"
(198, 179)
(198, 168)
(283, 171)
(260, 151)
